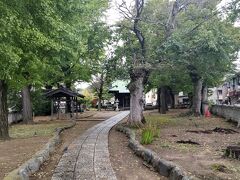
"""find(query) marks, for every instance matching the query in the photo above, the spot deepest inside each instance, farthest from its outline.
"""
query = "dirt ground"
(25, 141)
(126, 165)
(14, 152)
(85, 121)
(28, 139)
(205, 161)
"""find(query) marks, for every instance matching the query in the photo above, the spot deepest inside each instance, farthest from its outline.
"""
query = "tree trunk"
(172, 98)
(158, 99)
(68, 99)
(204, 99)
(190, 96)
(27, 105)
(100, 94)
(166, 99)
(163, 107)
(136, 88)
(3, 111)
(99, 103)
(197, 97)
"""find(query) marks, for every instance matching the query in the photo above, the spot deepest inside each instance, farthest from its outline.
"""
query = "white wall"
(151, 97)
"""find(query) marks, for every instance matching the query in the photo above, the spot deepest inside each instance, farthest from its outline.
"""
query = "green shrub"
(147, 136)
(41, 105)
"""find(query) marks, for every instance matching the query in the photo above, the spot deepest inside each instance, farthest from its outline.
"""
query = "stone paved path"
(87, 157)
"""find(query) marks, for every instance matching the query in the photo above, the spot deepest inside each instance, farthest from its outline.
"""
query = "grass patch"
(26, 131)
(165, 144)
(147, 136)
(157, 120)
(179, 147)
(186, 148)
(167, 120)
(219, 168)
(150, 131)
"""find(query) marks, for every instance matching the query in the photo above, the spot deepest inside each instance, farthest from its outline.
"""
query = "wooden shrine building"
(64, 100)
(121, 94)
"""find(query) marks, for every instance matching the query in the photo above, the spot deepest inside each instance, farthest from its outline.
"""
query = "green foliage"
(200, 38)
(14, 100)
(45, 41)
(41, 105)
(147, 136)
(150, 131)
(204, 41)
(232, 9)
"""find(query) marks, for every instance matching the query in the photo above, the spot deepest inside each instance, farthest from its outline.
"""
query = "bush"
(150, 132)
(147, 136)
(41, 105)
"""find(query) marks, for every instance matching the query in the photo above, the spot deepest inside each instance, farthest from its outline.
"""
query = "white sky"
(113, 15)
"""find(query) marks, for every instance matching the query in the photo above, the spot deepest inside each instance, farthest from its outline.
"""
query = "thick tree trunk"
(163, 107)
(204, 99)
(190, 96)
(136, 88)
(27, 105)
(3, 111)
(172, 98)
(158, 99)
(136, 102)
(166, 100)
(68, 99)
(100, 93)
(99, 103)
(197, 97)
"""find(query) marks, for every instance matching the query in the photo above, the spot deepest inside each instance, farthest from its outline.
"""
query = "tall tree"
(19, 56)
(141, 53)
(41, 39)
(206, 45)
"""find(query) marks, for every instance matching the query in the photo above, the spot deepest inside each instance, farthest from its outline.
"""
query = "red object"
(207, 113)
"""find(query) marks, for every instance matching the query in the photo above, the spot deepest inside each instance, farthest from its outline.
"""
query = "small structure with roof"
(121, 94)
(64, 99)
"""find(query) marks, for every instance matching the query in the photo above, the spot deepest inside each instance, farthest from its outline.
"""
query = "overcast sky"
(113, 15)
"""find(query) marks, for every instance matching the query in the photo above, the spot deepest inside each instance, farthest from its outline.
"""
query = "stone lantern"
(117, 103)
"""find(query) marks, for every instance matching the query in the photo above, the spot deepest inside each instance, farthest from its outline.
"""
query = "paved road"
(87, 157)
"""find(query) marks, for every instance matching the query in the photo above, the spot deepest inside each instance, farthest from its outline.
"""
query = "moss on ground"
(31, 130)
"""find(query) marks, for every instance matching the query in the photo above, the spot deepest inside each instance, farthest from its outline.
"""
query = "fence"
(228, 112)
(14, 117)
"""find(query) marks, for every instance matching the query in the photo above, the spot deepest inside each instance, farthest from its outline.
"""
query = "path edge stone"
(165, 168)
(32, 165)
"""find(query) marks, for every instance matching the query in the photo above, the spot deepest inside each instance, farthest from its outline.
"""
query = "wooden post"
(76, 108)
(71, 108)
(58, 108)
(51, 109)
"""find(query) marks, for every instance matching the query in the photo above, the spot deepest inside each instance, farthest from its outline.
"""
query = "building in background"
(227, 93)
(218, 95)
(233, 85)
(151, 98)
(121, 94)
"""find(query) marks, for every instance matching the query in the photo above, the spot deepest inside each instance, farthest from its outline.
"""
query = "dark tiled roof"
(63, 92)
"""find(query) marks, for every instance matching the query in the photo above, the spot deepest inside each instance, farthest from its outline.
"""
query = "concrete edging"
(163, 167)
(32, 165)
(227, 112)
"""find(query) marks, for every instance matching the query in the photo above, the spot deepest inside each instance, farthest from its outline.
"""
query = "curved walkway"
(87, 157)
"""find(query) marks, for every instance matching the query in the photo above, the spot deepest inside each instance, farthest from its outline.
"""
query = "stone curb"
(33, 164)
(163, 167)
